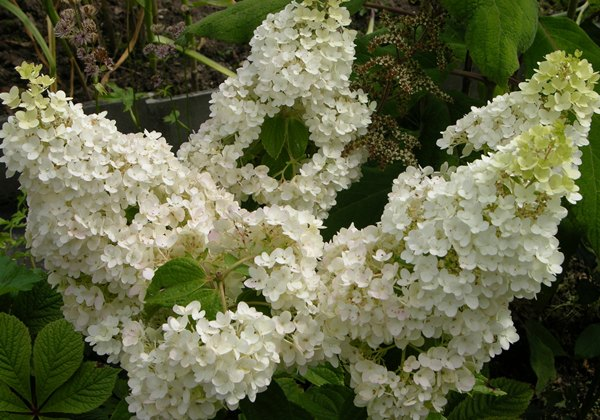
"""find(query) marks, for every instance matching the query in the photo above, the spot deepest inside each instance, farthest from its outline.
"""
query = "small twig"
(132, 42)
(392, 9)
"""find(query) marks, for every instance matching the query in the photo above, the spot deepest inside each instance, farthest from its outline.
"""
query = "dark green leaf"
(11, 402)
(541, 359)
(15, 354)
(87, 389)
(537, 329)
(297, 137)
(236, 23)
(353, 6)
(273, 135)
(496, 32)
(363, 203)
(15, 277)
(325, 374)
(587, 212)
(330, 402)
(587, 344)
(292, 390)
(482, 386)
(255, 300)
(272, 404)
(121, 411)
(38, 307)
(483, 406)
(57, 354)
(180, 281)
(559, 33)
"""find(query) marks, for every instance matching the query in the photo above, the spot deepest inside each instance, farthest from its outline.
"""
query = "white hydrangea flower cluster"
(300, 64)
(509, 115)
(434, 279)
(107, 209)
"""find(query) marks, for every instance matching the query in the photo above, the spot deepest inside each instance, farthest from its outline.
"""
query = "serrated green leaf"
(292, 390)
(481, 386)
(11, 402)
(587, 344)
(297, 137)
(38, 307)
(559, 33)
(587, 212)
(324, 374)
(272, 404)
(496, 32)
(15, 354)
(15, 277)
(87, 389)
(178, 282)
(57, 354)
(273, 135)
(231, 260)
(541, 359)
(483, 406)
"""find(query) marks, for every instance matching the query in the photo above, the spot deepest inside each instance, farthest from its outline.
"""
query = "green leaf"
(11, 402)
(559, 33)
(231, 260)
(587, 344)
(587, 212)
(371, 192)
(541, 358)
(297, 137)
(15, 277)
(87, 389)
(15, 354)
(57, 354)
(292, 390)
(174, 281)
(38, 307)
(482, 387)
(272, 404)
(324, 374)
(121, 412)
(273, 135)
(536, 328)
(483, 406)
(330, 402)
(496, 32)
(235, 24)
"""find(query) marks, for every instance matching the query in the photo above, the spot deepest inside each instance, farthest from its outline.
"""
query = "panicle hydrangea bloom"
(107, 209)
(300, 64)
(453, 249)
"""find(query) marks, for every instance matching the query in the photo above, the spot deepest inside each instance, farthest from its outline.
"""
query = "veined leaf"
(297, 137)
(89, 387)
(559, 33)
(273, 134)
(15, 277)
(38, 307)
(237, 23)
(481, 406)
(496, 32)
(15, 354)
(329, 402)
(11, 402)
(57, 354)
(324, 374)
